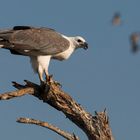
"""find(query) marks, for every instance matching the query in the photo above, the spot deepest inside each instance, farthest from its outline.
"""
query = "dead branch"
(64, 134)
(18, 93)
(95, 127)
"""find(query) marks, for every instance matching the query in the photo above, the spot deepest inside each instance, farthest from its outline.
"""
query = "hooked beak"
(85, 46)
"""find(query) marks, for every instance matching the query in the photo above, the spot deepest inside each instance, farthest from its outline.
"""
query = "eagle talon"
(43, 83)
(49, 78)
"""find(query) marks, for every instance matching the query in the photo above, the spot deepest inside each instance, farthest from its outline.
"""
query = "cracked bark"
(96, 126)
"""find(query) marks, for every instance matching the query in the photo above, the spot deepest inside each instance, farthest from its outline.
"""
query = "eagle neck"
(72, 41)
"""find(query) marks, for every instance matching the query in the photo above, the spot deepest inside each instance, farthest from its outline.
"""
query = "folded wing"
(26, 40)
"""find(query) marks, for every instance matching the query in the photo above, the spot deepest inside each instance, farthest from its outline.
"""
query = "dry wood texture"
(96, 126)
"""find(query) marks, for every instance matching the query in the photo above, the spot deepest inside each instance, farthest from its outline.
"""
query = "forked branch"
(95, 127)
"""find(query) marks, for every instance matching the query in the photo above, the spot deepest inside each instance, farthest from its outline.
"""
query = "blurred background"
(107, 75)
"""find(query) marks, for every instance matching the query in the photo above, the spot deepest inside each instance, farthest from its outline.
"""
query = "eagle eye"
(79, 40)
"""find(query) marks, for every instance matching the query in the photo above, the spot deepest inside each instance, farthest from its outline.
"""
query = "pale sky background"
(106, 75)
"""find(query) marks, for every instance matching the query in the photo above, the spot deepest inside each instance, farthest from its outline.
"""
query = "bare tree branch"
(95, 127)
(18, 93)
(64, 134)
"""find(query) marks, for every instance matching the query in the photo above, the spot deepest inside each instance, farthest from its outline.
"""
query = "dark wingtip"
(21, 27)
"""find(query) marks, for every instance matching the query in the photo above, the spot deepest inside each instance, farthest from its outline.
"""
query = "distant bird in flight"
(116, 20)
(134, 39)
(41, 45)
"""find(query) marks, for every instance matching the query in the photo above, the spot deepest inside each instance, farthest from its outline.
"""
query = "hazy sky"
(106, 75)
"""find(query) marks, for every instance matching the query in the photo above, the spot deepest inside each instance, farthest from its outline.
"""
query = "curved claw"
(49, 79)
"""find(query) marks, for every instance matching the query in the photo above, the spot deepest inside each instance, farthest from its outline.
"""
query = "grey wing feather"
(38, 41)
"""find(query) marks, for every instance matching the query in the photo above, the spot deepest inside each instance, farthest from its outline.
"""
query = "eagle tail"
(1, 43)
(1, 46)
(4, 38)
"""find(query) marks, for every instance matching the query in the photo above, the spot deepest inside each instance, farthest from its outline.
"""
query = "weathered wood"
(64, 134)
(96, 127)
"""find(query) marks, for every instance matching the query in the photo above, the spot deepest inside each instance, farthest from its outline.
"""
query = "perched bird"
(41, 45)
(134, 38)
(116, 20)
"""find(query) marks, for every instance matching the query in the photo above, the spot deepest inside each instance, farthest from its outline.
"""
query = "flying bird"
(134, 39)
(116, 20)
(41, 45)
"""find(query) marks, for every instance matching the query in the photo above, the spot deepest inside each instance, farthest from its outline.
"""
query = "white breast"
(64, 55)
(67, 53)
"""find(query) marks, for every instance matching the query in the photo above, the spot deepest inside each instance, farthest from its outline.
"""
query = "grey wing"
(33, 41)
